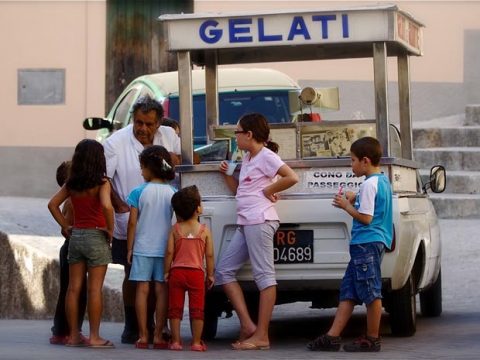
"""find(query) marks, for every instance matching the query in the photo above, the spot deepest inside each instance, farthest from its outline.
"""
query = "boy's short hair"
(368, 147)
(62, 172)
(186, 201)
(170, 123)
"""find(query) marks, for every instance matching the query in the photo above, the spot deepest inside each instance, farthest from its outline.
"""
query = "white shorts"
(254, 242)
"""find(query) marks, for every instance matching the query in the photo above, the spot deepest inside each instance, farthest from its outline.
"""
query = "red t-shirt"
(87, 212)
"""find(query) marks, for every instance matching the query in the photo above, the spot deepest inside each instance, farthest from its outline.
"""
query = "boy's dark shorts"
(119, 251)
(362, 282)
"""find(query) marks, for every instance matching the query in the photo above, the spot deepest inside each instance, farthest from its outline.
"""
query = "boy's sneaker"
(325, 343)
(364, 344)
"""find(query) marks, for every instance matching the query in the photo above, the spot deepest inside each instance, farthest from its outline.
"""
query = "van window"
(122, 113)
(272, 104)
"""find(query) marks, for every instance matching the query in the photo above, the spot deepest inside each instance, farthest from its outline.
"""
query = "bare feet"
(244, 335)
(252, 343)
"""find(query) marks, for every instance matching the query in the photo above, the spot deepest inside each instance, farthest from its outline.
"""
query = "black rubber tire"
(210, 320)
(253, 301)
(431, 299)
(403, 309)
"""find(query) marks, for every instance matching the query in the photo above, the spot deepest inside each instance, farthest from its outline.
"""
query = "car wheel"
(253, 301)
(431, 299)
(403, 309)
(210, 319)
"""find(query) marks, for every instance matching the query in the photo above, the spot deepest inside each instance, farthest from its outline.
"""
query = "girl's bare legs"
(175, 329)
(265, 308)
(96, 275)
(160, 311)
(197, 328)
(141, 297)
(235, 295)
(75, 283)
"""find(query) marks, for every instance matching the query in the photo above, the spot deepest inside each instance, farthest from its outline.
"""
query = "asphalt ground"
(454, 335)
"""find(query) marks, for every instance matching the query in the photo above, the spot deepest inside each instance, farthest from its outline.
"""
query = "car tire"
(253, 302)
(431, 299)
(403, 309)
(210, 319)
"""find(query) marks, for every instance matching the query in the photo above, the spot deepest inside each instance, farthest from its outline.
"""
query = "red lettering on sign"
(291, 239)
(280, 238)
(283, 238)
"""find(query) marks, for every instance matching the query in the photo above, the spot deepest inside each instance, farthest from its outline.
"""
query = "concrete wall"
(70, 35)
(34, 139)
(29, 279)
(30, 170)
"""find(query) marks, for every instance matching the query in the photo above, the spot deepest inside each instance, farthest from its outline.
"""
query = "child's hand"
(108, 234)
(272, 197)
(129, 256)
(67, 232)
(210, 281)
(223, 166)
(350, 195)
(166, 276)
(339, 201)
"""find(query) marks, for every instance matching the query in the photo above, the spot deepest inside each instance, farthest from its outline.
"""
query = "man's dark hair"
(146, 104)
(368, 147)
(186, 201)
(62, 172)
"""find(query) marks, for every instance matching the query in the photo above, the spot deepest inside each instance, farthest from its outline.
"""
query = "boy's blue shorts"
(362, 282)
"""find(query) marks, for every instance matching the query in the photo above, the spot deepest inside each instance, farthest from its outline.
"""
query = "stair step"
(455, 206)
(452, 158)
(458, 181)
(446, 137)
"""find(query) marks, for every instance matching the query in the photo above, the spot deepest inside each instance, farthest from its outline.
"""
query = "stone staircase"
(454, 143)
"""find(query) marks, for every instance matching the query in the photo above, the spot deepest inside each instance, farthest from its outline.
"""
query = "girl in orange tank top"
(190, 245)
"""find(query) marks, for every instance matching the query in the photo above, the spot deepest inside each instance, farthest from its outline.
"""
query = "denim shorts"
(146, 268)
(90, 246)
(362, 282)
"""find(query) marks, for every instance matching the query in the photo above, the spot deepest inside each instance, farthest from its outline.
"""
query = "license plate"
(293, 246)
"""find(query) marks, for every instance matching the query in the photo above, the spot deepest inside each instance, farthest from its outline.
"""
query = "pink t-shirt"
(255, 175)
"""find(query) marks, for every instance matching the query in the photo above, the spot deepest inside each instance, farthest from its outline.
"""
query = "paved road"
(454, 335)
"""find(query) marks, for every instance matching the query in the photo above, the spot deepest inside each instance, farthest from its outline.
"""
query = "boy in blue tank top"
(372, 231)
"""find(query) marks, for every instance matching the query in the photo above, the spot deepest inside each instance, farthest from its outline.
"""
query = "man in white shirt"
(122, 149)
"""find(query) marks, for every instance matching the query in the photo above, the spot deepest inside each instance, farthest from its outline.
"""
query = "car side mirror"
(96, 123)
(438, 179)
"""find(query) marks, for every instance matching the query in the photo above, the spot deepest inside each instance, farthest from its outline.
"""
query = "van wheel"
(252, 302)
(210, 321)
(403, 309)
(431, 299)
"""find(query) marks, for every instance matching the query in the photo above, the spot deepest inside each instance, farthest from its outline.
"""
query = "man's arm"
(118, 204)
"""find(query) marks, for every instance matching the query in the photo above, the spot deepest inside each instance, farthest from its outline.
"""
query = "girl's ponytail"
(272, 146)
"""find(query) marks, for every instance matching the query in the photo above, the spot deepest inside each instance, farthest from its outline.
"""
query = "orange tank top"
(87, 212)
(189, 250)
